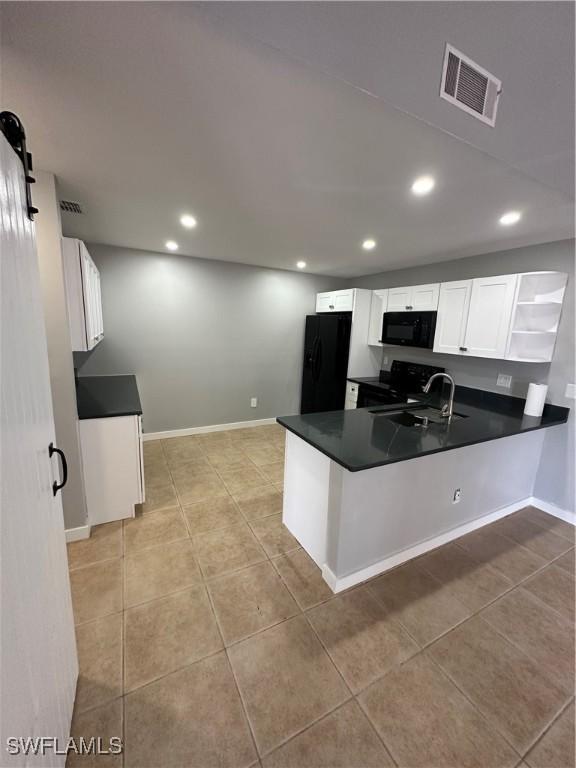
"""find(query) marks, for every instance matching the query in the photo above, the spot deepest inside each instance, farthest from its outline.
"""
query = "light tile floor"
(207, 637)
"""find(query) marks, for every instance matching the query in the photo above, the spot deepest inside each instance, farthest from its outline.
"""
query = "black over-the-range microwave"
(409, 329)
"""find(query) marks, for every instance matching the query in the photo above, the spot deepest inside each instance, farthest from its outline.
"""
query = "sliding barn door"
(38, 663)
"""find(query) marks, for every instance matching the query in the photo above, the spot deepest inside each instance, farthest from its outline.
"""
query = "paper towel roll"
(535, 399)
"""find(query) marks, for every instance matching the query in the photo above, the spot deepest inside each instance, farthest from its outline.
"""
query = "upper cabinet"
(513, 317)
(378, 305)
(453, 307)
(489, 316)
(335, 301)
(83, 297)
(414, 298)
(535, 316)
(474, 316)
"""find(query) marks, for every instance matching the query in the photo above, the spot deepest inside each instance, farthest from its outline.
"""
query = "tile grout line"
(393, 757)
(540, 525)
(491, 725)
(545, 730)
(180, 668)
(513, 642)
(232, 672)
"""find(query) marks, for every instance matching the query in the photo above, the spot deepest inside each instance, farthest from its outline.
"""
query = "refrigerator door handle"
(313, 358)
(318, 360)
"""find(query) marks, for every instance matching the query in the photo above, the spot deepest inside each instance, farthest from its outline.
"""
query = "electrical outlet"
(253, 402)
(457, 496)
(504, 380)
(570, 392)
(385, 360)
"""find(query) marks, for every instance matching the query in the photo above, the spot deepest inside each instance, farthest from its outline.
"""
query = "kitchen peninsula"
(367, 489)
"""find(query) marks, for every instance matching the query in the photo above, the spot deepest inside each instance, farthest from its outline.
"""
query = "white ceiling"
(148, 110)
(394, 51)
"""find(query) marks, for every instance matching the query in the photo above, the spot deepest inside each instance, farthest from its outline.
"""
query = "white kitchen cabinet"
(414, 298)
(335, 301)
(112, 458)
(474, 316)
(424, 298)
(378, 305)
(536, 316)
(399, 299)
(83, 295)
(453, 307)
(489, 316)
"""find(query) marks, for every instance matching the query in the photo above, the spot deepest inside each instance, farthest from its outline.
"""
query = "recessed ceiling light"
(423, 185)
(512, 217)
(301, 264)
(188, 221)
(171, 245)
(369, 244)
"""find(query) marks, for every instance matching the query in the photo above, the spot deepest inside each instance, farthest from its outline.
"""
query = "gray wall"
(203, 337)
(555, 480)
(48, 238)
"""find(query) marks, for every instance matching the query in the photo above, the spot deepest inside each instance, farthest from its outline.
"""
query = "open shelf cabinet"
(536, 316)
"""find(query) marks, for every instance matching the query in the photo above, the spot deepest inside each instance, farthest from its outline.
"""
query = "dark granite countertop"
(98, 397)
(374, 381)
(363, 438)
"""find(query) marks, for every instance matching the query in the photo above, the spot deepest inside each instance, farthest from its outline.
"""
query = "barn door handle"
(58, 486)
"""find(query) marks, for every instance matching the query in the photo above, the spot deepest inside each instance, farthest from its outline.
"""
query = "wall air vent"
(68, 206)
(470, 87)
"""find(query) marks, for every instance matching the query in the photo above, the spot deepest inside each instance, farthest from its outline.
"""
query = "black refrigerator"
(326, 345)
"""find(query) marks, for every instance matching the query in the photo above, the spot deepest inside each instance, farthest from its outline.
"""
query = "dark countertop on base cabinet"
(99, 397)
(364, 438)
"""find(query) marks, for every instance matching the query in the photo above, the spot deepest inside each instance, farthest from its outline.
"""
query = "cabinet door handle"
(463, 349)
(58, 486)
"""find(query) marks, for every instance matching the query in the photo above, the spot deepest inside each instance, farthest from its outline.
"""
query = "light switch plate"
(570, 391)
(504, 380)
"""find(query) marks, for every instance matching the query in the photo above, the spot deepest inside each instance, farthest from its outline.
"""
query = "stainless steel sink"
(417, 417)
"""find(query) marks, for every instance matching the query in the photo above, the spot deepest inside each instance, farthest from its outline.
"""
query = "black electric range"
(396, 385)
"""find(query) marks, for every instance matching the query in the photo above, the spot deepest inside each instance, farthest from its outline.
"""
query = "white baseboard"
(345, 582)
(76, 534)
(204, 430)
(552, 509)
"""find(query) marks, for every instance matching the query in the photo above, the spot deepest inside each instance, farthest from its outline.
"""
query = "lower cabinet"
(112, 459)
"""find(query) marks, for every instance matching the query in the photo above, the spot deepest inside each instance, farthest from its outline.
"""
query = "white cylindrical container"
(535, 399)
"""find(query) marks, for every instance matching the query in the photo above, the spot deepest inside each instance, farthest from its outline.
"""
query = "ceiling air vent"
(470, 87)
(68, 206)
